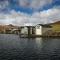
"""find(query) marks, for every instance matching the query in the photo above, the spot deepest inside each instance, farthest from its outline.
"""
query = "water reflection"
(14, 48)
(39, 42)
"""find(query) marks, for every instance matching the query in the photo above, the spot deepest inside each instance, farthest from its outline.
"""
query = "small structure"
(27, 30)
(42, 30)
(8, 31)
(38, 29)
(15, 31)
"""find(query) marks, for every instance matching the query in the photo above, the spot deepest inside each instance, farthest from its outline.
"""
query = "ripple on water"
(12, 47)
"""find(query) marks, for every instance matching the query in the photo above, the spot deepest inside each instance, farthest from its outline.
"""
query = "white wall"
(38, 30)
(24, 30)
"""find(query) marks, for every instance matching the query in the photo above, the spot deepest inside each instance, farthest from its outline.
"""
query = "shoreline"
(36, 36)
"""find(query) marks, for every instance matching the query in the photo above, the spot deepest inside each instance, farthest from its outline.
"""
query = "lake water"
(12, 47)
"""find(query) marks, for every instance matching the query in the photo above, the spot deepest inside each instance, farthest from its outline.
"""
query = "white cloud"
(40, 3)
(19, 18)
(35, 4)
(4, 4)
(47, 16)
(24, 3)
(16, 18)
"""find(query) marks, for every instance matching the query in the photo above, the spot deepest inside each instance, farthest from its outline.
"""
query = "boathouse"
(27, 29)
(43, 29)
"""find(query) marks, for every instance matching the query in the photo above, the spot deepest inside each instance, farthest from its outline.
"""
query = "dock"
(36, 36)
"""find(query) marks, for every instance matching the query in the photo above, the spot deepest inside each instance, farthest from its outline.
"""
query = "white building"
(28, 29)
(24, 30)
(42, 29)
(38, 30)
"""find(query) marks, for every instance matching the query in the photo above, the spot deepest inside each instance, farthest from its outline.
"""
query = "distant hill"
(7, 27)
(57, 22)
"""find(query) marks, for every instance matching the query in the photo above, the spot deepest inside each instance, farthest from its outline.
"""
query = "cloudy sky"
(19, 12)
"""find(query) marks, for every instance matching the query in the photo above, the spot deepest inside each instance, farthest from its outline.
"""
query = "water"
(12, 47)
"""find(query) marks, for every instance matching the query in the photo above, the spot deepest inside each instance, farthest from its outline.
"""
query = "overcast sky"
(19, 12)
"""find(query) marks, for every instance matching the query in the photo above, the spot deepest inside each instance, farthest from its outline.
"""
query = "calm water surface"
(12, 47)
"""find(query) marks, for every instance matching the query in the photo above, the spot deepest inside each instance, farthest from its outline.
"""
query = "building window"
(38, 27)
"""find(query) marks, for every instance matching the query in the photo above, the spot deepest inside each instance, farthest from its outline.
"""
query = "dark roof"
(26, 26)
(45, 25)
